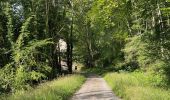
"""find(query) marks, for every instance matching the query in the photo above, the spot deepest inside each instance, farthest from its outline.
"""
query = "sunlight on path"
(95, 88)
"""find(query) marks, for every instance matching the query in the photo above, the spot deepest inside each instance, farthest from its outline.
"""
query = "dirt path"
(95, 88)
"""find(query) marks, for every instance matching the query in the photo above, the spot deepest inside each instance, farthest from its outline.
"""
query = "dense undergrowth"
(59, 89)
(137, 86)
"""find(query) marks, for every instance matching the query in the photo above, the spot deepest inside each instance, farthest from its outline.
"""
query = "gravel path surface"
(95, 88)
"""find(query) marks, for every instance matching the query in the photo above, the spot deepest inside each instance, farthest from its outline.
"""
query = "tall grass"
(60, 89)
(136, 86)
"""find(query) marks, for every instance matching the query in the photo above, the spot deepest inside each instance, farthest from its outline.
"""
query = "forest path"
(95, 88)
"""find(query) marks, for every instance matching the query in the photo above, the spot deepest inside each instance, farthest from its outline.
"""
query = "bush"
(23, 66)
(6, 78)
(142, 54)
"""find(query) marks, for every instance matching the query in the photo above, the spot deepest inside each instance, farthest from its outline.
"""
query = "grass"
(59, 89)
(136, 86)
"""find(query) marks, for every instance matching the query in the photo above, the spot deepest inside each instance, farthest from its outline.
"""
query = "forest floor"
(95, 88)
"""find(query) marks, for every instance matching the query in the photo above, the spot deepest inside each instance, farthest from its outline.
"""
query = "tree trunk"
(70, 44)
(47, 19)
(58, 60)
(70, 49)
(90, 62)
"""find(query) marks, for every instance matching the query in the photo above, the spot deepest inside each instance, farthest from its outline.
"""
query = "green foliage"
(137, 86)
(29, 36)
(129, 34)
(136, 53)
(57, 89)
(97, 30)
(7, 75)
(24, 33)
(8, 13)
(143, 56)
(24, 67)
(23, 55)
(99, 70)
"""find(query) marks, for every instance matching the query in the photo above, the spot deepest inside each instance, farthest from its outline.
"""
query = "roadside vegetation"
(41, 39)
(60, 89)
(137, 86)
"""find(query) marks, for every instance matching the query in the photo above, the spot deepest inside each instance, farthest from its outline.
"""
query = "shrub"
(23, 66)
